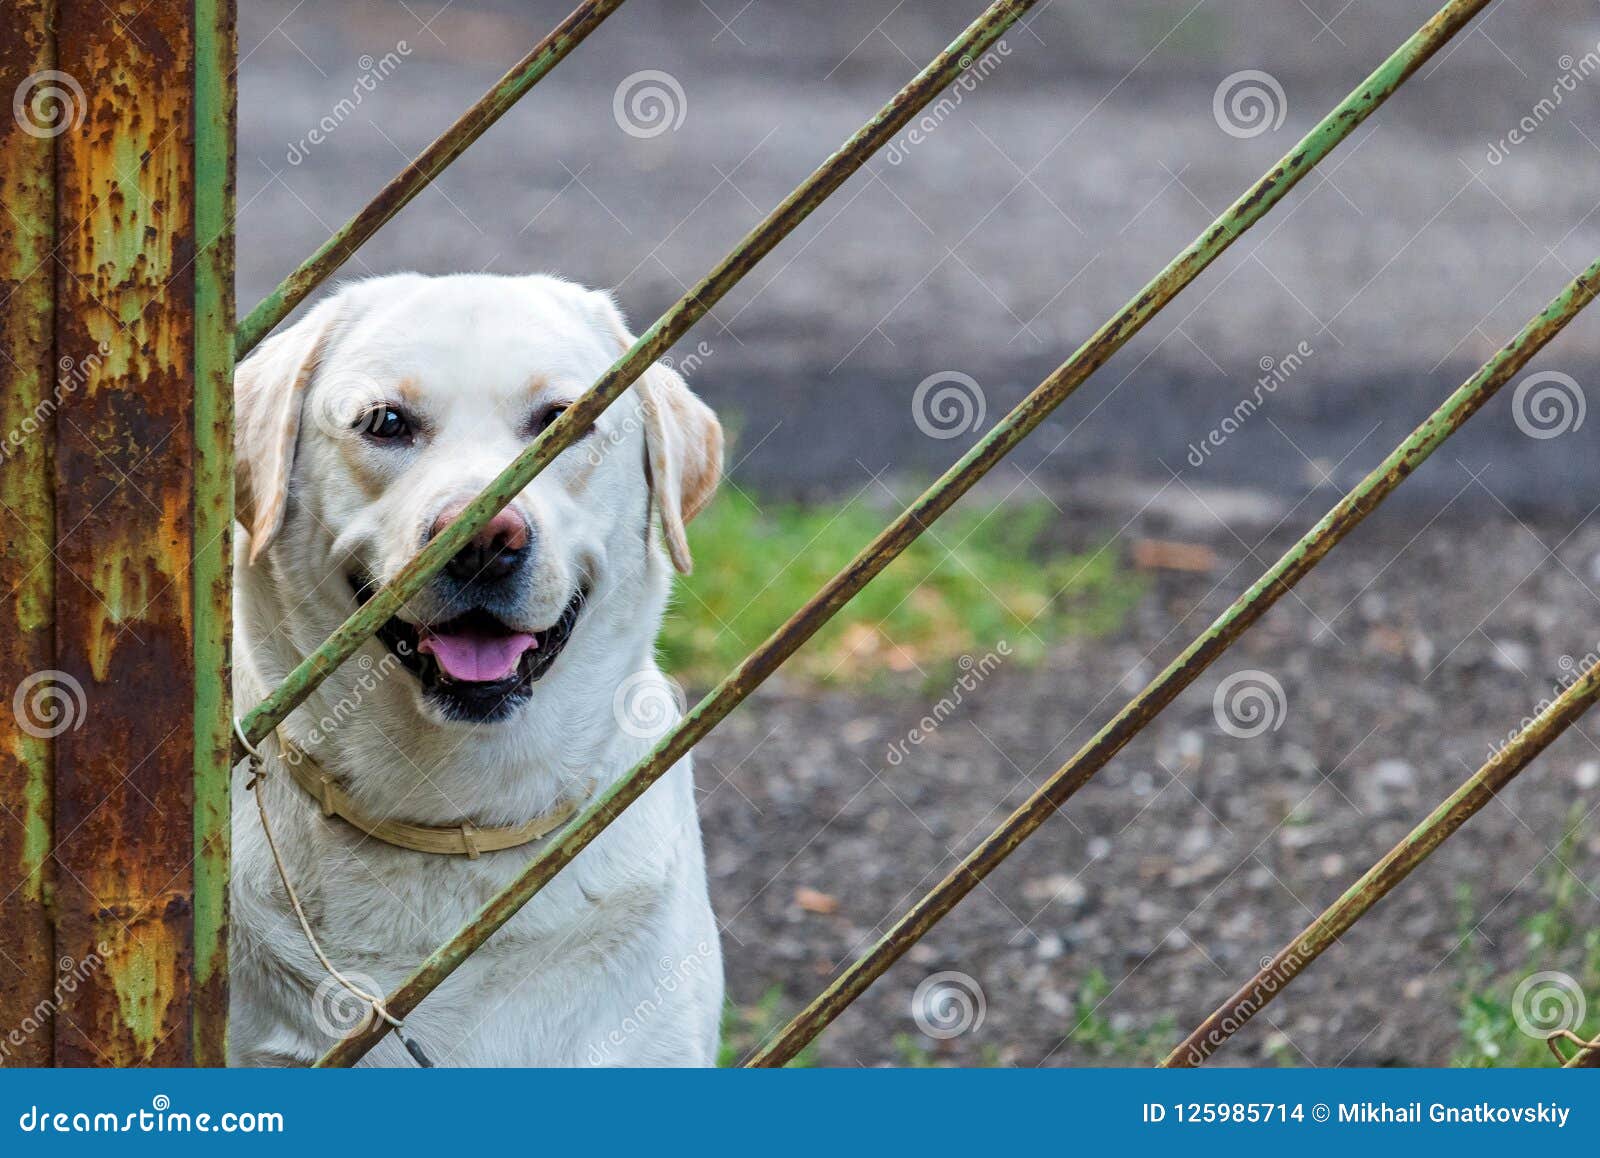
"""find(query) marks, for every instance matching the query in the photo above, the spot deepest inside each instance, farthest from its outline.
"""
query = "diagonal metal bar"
(416, 176)
(1184, 670)
(877, 555)
(1339, 917)
(1586, 1058)
(689, 309)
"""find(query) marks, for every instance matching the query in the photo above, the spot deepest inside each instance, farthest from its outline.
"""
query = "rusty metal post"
(143, 509)
(27, 580)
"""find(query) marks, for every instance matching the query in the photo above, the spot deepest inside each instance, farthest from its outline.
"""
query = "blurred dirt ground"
(1194, 853)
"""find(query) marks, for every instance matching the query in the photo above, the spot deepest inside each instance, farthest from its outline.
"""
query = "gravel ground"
(1179, 867)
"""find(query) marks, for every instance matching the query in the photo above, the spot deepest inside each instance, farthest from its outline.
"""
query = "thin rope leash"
(376, 1007)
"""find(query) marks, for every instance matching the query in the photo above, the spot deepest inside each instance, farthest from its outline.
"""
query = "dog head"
(366, 427)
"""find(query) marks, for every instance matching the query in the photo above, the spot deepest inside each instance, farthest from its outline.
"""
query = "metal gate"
(134, 207)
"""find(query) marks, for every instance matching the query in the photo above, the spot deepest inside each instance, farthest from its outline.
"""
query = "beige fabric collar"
(453, 840)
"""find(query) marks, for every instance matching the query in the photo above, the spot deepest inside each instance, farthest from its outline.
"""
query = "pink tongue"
(477, 658)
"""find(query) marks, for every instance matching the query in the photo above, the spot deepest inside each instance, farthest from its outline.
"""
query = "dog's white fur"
(616, 961)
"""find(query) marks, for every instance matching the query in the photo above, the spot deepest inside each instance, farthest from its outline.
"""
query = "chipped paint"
(27, 515)
(126, 468)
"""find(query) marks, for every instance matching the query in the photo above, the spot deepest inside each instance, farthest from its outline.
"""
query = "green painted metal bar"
(1028, 414)
(652, 344)
(1337, 920)
(27, 526)
(416, 176)
(1185, 669)
(215, 106)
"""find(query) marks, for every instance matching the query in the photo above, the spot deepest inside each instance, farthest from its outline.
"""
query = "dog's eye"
(384, 422)
(547, 419)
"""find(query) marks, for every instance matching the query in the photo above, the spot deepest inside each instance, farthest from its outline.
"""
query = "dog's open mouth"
(475, 667)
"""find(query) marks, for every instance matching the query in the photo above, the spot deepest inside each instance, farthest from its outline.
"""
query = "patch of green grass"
(1487, 1005)
(746, 1027)
(980, 576)
(1104, 1041)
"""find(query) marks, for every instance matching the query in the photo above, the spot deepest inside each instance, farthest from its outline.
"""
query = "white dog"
(505, 697)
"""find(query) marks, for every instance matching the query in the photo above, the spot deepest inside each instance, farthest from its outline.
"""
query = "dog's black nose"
(494, 553)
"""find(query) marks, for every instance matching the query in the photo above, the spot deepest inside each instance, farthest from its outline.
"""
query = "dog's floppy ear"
(683, 440)
(268, 389)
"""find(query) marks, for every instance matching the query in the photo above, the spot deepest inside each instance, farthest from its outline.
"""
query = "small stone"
(1056, 889)
(1099, 848)
(815, 901)
(1510, 655)
(1050, 947)
(1331, 866)
(1586, 775)
(859, 731)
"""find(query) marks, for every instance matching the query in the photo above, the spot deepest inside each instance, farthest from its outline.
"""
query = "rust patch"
(124, 473)
(27, 428)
